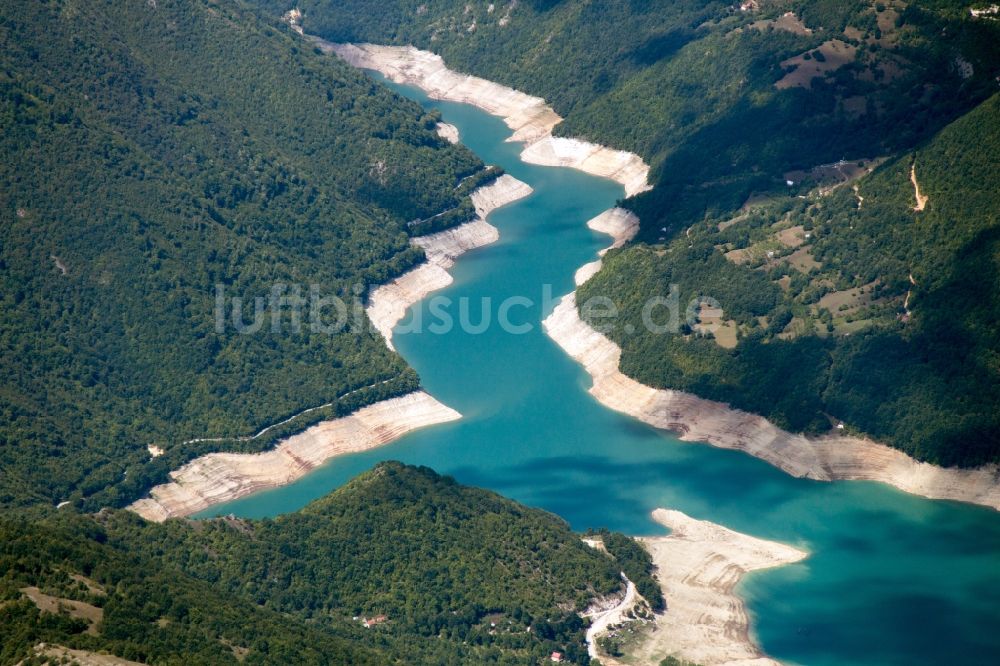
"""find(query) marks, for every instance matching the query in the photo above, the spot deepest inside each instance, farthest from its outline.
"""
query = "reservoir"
(891, 578)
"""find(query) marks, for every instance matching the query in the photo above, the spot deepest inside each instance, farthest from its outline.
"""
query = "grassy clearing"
(788, 22)
(47, 603)
(802, 260)
(827, 57)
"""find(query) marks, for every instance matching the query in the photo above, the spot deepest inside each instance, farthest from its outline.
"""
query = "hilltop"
(443, 573)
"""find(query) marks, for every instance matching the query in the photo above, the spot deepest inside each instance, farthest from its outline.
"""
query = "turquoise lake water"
(891, 579)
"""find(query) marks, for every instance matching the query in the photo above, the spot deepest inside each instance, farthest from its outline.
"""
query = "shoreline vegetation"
(223, 477)
(399, 565)
(826, 458)
(714, 621)
(170, 126)
(764, 221)
(384, 549)
(694, 419)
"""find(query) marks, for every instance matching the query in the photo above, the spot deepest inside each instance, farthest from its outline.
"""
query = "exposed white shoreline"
(826, 458)
(694, 419)
(530, 118)
(223, 477)
(622, 225)
(388, 303)
(699, 565)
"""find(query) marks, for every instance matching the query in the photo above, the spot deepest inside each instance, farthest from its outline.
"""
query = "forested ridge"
(154, 150)
(461, 576)
(782, 140)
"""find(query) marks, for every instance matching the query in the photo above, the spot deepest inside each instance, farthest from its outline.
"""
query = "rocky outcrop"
(222, 477)
(447, 132)
(388, 303)
(622, 225)
(626, 168)
(697, 420)
(530, 118)
(699, 565)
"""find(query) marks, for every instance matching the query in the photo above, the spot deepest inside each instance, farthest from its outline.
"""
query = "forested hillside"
(846, 306)
(461, 576)
(840, 304)
(154, 150)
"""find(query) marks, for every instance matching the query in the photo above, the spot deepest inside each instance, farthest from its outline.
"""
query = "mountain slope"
(873, 313)
(154, 153)
(459, 573)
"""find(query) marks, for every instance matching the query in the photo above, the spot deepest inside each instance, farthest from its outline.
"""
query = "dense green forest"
(462, 576)
(151, 152)
(731, 106)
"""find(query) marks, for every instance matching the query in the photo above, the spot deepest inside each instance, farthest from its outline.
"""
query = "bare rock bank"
(530, 118)
(222, 477)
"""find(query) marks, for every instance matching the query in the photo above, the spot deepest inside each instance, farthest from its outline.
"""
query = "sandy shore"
(699, 565)
(530, 118)
(388, 303)
(697, 420)
(222, 477)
